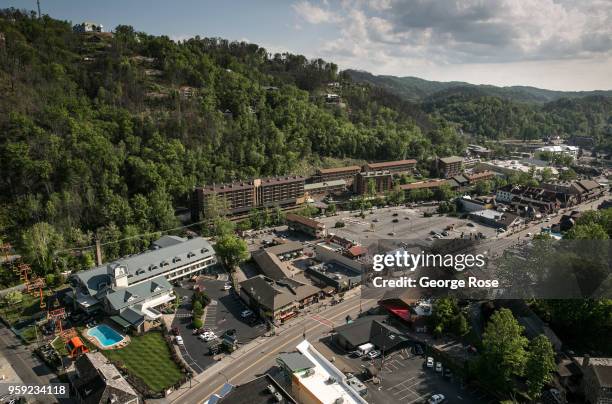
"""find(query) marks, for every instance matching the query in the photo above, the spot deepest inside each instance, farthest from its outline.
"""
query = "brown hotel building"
(383, 181)
(394, 167)
(243, 196)
(340, 173)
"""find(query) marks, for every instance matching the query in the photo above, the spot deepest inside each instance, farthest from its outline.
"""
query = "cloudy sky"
(556, 44)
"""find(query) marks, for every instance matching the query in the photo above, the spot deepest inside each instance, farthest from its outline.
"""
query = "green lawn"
(148, 357)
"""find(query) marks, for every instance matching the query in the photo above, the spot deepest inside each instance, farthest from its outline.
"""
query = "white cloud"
(405, 37)
(314, 14)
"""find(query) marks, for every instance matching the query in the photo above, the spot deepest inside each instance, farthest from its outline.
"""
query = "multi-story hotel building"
(333, 174)
(241, 197)
(394, 167)
(450, 166)
(383, 181)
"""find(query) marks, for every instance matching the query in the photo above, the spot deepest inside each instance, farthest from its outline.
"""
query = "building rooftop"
(261, 390)
(451, 159)
(99, 381)
(324, 381)
(275, 294)
(295, 361)
(306, 221)
(166, 254)
(372, 329)
(285, 248)
(338, 170)
(386, 164)
(270, 265)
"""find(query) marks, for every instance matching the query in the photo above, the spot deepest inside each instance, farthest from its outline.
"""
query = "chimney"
(585, 361)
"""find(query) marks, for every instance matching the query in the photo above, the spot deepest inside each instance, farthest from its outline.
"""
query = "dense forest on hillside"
(491, 112)
(107, 134)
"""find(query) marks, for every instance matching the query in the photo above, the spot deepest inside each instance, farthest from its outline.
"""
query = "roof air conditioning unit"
(271, 389)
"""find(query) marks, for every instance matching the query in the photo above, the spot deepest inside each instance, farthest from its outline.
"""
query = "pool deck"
(96, 342)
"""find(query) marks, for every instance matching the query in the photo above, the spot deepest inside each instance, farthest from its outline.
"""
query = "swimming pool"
(106, 336)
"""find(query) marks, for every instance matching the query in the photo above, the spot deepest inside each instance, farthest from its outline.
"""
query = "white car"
(439, 367)
(208, 336)
(430, 362)
(227, 286)
(373, 354)
(501, 230)
(436, 399)
(179, 340)
(246, 313)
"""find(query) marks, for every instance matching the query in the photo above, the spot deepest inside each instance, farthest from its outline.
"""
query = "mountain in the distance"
(416, 89)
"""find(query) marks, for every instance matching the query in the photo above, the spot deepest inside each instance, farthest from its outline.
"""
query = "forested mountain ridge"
(416, 89)
(108, 134)
(490, 112)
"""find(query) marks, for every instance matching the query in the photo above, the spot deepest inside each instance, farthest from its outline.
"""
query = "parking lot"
(222, 314)
(405, 379)
(401, 223)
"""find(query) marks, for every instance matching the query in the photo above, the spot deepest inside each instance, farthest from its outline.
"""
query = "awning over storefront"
(400, 311)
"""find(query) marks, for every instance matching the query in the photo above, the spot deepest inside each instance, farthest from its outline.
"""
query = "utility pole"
(38, 4)
(98, 251)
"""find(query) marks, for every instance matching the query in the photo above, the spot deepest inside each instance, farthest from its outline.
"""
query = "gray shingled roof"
(295, 361)
(176, 251)
(132, 295)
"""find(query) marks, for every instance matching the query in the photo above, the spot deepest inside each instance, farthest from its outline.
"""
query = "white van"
(365, 349)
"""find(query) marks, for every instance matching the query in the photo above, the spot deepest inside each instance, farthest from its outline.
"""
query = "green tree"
(539, 365)
(197, 322)
(504, 352)
(483, 187)
(39, 244)
(232, 250)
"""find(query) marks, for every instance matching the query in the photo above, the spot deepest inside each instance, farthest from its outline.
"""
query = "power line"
(92, 246)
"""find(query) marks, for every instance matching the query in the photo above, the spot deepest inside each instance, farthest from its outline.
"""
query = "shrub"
(197, 322)
(339, 225)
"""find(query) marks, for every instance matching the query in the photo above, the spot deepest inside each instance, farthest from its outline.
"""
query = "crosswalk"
(210, 317)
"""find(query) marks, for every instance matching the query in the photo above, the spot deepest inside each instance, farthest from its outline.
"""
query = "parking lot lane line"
(419, 398)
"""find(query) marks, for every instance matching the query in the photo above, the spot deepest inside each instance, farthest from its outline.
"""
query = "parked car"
(501, 230)
(208, 336)
(439, 367)
(447, 373)
(174, 331)
(373, 354)
(417, 349)
(436, 399)
(430, 362)
(246, 313)
(179, 340)
(528, 235)
(375, 220)
(227, 286)
(470, 224)
(357, 354)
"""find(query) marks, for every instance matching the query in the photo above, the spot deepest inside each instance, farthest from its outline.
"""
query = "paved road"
(260, 355)
(29, 367)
